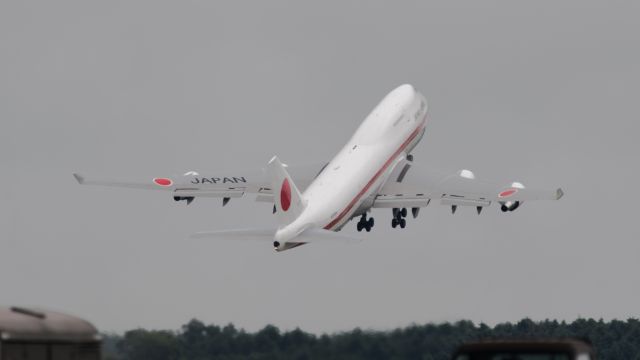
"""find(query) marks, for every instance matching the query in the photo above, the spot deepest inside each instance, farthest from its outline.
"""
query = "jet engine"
(188, 199)
(509, 206)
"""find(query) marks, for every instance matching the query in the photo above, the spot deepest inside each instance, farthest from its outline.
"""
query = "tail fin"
(286, 196)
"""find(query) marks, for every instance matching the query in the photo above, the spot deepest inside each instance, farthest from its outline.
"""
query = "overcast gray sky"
(543, 92)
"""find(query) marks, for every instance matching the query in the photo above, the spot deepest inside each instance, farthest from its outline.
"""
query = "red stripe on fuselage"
(375, 177)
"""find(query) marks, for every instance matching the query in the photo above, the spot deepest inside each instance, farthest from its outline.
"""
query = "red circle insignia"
(285, 195)
(507, 193)
(163, 181)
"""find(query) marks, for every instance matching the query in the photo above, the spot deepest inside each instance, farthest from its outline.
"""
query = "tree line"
(196, 341)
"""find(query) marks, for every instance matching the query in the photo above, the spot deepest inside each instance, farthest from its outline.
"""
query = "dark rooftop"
(17, 323)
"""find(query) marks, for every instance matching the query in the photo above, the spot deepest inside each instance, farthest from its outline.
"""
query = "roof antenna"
(28, 312)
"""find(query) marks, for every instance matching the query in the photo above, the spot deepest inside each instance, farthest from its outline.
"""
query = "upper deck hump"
(403, 93)
(384, 115)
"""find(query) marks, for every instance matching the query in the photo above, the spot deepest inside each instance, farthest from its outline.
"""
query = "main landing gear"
(364, 223)
(399, 216)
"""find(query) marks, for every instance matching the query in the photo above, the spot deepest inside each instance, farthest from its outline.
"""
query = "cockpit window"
(321, 170)
(398, 120)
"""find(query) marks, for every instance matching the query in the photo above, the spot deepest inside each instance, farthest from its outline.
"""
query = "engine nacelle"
(188, 199)
(510, 206)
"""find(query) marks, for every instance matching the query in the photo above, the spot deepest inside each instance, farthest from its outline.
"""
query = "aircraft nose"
(405, 90)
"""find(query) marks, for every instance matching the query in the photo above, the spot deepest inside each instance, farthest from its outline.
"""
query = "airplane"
(368, 172)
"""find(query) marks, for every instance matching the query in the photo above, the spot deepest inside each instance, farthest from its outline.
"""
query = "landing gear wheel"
(363, 223)
(371, 222)
(403, 212)
(403, 223)
(394, 223)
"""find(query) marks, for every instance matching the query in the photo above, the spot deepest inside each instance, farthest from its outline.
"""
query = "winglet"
(79, 178)
(559, 194)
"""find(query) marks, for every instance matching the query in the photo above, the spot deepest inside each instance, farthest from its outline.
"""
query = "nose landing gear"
(399, 218)
(365, 224)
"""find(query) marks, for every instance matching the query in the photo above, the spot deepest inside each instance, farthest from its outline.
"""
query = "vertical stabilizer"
(286, 196)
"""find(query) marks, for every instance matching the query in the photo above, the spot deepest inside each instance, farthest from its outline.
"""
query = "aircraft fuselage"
(356, 173)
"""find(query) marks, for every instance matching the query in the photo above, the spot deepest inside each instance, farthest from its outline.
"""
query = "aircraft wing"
(457, 189)
(222, 184)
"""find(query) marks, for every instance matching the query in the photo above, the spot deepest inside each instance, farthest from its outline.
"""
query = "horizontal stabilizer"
(308, 236)
(237, 234)
(321, 235)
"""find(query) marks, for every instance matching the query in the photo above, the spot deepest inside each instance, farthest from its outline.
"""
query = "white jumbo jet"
(369, 172)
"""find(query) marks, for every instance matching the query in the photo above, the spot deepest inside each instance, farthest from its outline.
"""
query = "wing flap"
(451, 200)
(400, 201)
(460, 189)
(213, 193)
